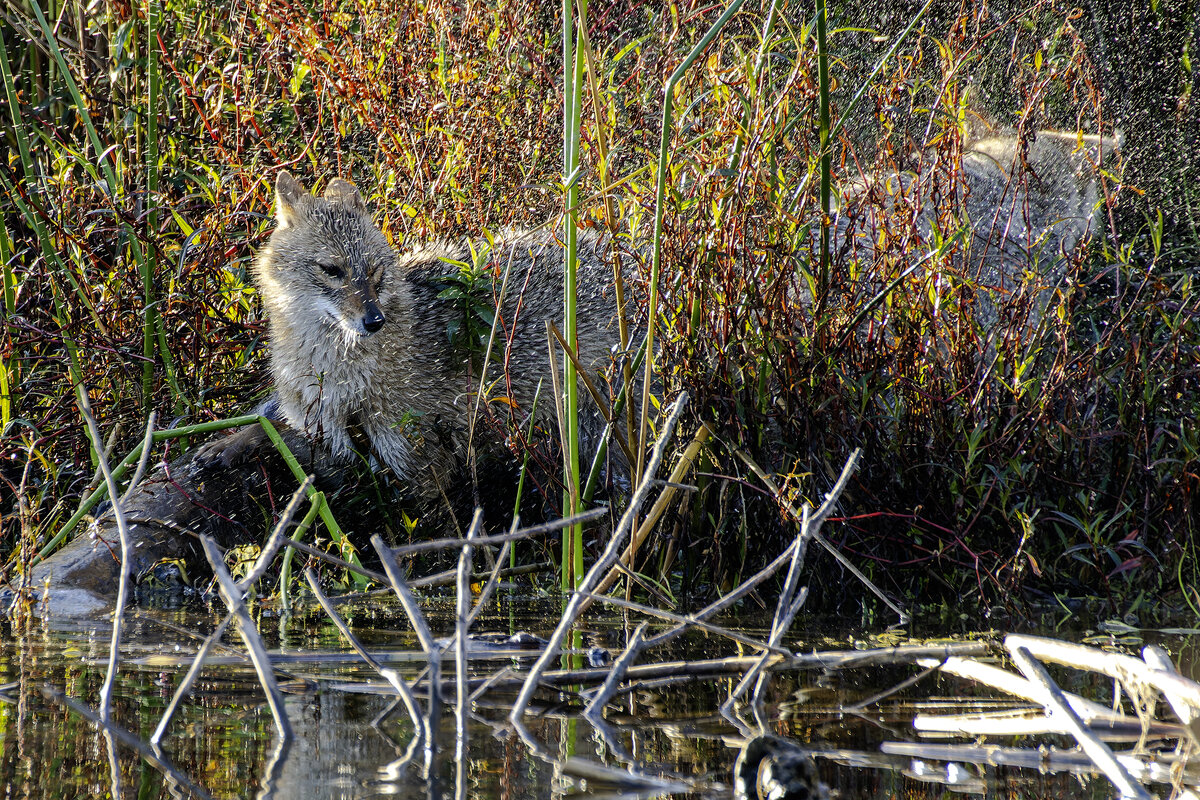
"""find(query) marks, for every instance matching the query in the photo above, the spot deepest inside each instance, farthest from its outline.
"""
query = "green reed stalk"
(130, 460)
(572, 564)
(149, 265)
(664, 153)
(345, 546)
(152, 324)
(826, 155)
(317, 502)
(34, 220)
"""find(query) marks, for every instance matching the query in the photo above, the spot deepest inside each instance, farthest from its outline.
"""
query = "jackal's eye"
(332, 270)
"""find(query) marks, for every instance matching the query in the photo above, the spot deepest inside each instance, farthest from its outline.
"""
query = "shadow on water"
(352, 740)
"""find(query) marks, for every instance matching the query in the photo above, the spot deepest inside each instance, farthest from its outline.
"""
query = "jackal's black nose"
(373, 320)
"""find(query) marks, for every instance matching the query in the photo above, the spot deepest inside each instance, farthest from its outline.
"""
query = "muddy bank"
(230, 488)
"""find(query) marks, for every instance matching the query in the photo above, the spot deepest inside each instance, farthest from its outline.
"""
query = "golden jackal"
(361, 353)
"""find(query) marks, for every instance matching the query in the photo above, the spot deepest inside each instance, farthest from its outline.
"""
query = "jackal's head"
(326, 261)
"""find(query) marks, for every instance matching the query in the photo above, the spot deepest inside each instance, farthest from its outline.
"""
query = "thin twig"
(601, 404)
(189, 679)
(492, 582)
(275, 540)
(511, 536)
(690, 621)
(724, 602)
(461, 625)
(114, 652)
(389, 675)
(396, 579)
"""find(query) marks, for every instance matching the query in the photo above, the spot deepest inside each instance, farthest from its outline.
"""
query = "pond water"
(857, 722)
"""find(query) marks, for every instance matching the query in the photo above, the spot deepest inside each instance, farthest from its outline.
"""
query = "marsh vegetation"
(794, 189)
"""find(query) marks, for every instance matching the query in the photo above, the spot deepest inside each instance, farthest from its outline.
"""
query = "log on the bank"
(226, 488)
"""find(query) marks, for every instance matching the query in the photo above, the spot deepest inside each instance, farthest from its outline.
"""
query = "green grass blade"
(659, 209)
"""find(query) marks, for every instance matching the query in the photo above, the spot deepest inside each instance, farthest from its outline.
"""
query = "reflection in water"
(356, 744)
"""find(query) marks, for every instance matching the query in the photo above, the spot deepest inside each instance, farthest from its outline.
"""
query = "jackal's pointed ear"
(289, 197)
(341, 191)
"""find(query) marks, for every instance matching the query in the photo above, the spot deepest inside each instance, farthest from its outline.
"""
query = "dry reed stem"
(249, 633)
(659, 507)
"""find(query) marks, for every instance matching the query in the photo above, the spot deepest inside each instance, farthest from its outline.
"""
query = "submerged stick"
(1056, 704)
(1157, 658)
(1044, 759)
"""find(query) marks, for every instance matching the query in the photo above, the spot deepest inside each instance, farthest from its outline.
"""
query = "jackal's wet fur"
(1025, 207)
(360, 349)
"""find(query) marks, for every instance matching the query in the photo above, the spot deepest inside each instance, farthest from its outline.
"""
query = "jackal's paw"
(233, 449)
